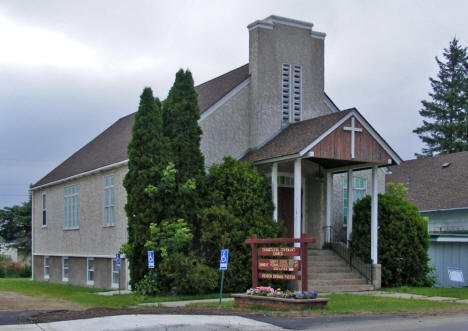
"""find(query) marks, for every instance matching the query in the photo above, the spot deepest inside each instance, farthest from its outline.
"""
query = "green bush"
(403, 240)
(148, 286)
(241, 206)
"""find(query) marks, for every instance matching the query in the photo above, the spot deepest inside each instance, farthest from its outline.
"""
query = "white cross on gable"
(353, 129)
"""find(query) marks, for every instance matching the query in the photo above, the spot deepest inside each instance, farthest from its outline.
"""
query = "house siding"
(446, 255)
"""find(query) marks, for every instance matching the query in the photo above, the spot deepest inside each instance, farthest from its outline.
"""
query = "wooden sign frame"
(269, 267)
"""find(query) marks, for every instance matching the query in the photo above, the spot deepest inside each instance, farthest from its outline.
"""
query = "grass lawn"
(84, 295)
(347, 303)
(452, 292)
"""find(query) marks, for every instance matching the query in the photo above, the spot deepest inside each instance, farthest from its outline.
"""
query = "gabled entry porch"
(302, 161)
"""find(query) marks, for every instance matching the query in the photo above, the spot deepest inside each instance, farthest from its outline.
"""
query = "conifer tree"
(146, 152)
(180, 125)
(446, 128)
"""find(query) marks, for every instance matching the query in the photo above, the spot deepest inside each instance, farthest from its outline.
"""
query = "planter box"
(244, 300)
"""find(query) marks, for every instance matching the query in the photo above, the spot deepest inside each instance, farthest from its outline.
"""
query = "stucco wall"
(92, 238)
(77, 271)
(226, 130)
(268, 50)
(338, 200)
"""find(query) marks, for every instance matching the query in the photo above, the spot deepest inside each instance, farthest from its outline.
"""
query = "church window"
(70, 202)
(286, 91)
(359, 192)
(297, 93)
(109, 201)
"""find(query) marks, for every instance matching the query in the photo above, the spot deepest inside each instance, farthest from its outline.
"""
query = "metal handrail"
(332, 242)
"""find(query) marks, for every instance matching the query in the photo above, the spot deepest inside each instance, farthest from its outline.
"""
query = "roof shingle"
(111, 145)
(295, 137)
(431, 186)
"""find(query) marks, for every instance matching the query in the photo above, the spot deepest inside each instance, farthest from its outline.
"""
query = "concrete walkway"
(182, 303)
(110, 293)
(409, 296)
(149, 322)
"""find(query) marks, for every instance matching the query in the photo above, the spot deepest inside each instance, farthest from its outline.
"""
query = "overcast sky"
(69, 69)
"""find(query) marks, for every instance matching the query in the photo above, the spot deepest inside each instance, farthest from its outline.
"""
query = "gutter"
(86, 173)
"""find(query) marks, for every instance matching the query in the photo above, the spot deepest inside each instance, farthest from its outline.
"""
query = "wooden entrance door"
(286, 208)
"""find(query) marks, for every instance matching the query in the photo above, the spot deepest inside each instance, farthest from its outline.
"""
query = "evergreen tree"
(15, 226)
(180, 125)
(146, 158)
(446, 128)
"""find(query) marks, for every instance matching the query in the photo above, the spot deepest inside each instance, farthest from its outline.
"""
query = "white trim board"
(223, 100)
(82, 174)
(450, 239)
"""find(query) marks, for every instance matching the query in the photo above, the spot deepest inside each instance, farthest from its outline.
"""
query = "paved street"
(205, 322)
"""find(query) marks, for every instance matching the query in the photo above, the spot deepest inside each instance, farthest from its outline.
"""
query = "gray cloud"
(378, 58)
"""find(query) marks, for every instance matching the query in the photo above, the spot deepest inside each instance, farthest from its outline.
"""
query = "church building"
(273, 112)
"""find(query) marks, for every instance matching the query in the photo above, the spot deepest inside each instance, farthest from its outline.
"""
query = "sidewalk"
(182, 303)
(409, 296)
(149, 322)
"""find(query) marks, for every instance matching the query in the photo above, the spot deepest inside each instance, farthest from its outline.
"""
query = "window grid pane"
(70, 206)
(108, 200)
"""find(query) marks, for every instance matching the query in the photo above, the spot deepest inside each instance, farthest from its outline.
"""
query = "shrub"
(403, 240)
(241, 206)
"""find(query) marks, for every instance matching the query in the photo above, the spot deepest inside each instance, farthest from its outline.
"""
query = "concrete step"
(333, 275)
(342, 288)
(331, 282)
(324, 258)
(321, 252)
(329, 263)
(328, 269)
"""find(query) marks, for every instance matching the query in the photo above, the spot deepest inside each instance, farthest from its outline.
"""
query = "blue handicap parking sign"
(117, 260)
(151, 259)
(224, 259)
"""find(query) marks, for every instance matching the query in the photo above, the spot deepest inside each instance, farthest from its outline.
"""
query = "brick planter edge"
(244, 300)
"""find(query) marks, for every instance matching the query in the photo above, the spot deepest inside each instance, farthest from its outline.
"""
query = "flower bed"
(264, 296)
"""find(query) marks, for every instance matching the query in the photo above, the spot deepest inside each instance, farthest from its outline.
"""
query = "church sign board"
(278, 267)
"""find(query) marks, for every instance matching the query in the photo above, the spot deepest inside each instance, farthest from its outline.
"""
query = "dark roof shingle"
(111, 145)
(432, 186)
(295, 137)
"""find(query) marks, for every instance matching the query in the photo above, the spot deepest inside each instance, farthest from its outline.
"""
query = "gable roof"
(299, 138)
(110, 147)
(432, 186)
(295, 137)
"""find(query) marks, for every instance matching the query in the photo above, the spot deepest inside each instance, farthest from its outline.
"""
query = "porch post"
(374, 215)
(328, 205)
(349, 218)
(274, 189)
(297, 198)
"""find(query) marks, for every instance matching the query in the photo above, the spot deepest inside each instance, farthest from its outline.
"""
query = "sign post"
(117, 265)
(151, 259)
(223, 262)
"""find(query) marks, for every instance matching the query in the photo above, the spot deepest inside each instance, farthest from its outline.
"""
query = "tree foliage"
(403, 239)
(146, 154)
(171, 212)
(15, 225)
(445, 127)
(241, 206)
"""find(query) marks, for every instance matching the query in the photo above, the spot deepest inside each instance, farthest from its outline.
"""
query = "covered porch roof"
(338, 140)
